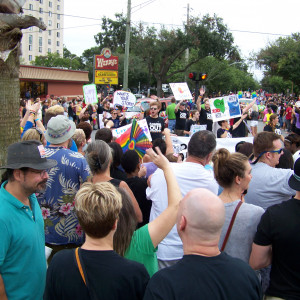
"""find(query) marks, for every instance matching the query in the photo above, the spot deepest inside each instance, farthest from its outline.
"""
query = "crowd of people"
(213, 225)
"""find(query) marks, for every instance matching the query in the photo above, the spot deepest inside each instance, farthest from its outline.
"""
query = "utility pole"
(187, 51)
(127, 43)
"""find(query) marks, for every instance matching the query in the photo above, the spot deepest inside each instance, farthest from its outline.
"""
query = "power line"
(147, 3)
(55, 29)
(142, 4)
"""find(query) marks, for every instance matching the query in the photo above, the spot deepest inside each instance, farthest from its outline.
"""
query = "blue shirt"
(22, 247)
(57, 202)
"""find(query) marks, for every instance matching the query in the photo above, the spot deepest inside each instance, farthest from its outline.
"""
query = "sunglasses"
(153, 108)
(279, 151)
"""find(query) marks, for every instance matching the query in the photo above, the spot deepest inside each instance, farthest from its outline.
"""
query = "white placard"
(142, 123)
(195, 128)
(124, 98)
(224, 108)
(229, 144)
(90, 94)
(181, 91)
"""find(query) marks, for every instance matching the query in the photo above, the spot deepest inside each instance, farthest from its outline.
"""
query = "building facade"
(36, 42)
(43, 81)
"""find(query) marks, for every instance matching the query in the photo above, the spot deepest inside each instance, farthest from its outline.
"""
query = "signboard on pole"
(106, 68)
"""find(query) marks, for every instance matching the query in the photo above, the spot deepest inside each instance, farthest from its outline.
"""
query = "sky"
(254, 24)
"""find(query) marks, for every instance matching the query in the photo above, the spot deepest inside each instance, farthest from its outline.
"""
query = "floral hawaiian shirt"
(57, 202)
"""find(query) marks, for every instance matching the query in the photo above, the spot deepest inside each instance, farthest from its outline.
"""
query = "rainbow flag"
(134, 138)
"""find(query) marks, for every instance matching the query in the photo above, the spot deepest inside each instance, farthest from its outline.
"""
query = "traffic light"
(192, 76)
(202, 76)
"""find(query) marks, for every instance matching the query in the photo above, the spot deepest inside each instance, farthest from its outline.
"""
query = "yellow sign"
(106, 74)
(106, 77)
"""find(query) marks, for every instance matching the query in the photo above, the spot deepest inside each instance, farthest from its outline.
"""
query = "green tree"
(68, 61)
(276, 84)
(223, 75)
(161, 49)
(282, 58)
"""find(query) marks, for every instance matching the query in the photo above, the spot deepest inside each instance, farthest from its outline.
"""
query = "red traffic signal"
(192, 76)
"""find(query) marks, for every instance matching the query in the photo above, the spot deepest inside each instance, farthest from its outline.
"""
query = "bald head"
(201, 216)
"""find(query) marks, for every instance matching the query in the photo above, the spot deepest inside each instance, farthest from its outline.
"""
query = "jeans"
(171, 124)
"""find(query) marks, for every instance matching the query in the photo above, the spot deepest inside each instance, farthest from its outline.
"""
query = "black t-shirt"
(197, 277)
(156, 127)
(100, 110)
(254, 116)
(70, 111)
(188, 124)
(138, 187)
(206, 118)
(117, 173)
(270, 129)
(110, 276)
(221, 131)
(279, 226)
(181, 116)
(241, 130)
(116, 122)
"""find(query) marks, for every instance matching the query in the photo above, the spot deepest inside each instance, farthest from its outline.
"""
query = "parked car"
(134, 112)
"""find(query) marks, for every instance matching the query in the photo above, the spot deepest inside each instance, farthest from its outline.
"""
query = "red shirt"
(288, 114)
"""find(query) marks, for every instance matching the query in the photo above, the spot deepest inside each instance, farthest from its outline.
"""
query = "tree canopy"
(282, 58)
(161, 49)
(68, 61)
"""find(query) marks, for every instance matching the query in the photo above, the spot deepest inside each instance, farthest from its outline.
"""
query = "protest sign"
(142, 123)
(181, 91)
(134, 138)
(195, 128)
(90, 94)
(124, 98)
(182, 142)
(224, 108)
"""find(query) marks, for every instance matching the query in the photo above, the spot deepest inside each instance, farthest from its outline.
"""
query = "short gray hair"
(201, 144)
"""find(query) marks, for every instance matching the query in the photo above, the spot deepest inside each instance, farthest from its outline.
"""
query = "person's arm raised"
(161, 226)
(234, 126)
(168, 141)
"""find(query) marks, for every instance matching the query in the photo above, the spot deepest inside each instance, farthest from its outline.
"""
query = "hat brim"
(50, 163)
(61, 139)
(294, 183)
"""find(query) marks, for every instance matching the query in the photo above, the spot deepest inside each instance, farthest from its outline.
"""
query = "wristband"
(36, 120)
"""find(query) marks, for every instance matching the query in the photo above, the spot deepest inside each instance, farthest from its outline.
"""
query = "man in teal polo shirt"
(170, 112)
(22, 245)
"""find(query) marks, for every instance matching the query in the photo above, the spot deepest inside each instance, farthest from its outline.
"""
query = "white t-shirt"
(296, 155)
(189, 176)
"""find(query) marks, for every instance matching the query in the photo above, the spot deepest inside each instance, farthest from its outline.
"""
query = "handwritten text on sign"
(90, 93)
(124, 98)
